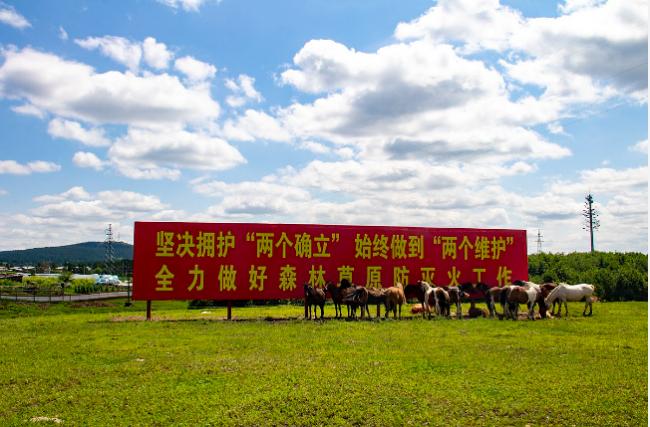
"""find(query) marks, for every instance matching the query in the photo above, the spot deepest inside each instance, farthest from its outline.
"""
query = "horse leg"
(322, 311)
(531, 311)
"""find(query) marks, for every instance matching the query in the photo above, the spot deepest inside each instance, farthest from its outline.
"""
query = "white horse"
(428, 290)
(564, 293)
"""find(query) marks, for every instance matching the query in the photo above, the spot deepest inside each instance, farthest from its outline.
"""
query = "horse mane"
(552, 296)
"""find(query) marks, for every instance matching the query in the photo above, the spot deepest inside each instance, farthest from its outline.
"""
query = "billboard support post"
(148, 309)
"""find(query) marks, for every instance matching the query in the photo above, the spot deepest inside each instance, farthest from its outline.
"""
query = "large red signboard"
(230, 261)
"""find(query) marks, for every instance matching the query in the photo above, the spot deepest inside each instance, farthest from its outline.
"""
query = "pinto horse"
(429, 297)
(441, 300)
(564, 293)
(523, 293)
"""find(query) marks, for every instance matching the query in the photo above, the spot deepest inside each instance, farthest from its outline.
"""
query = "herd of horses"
(436, 300)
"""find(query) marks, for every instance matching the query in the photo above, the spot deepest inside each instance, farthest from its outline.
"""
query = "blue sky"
(451, 113)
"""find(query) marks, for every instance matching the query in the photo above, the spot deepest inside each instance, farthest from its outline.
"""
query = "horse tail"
(503, 296)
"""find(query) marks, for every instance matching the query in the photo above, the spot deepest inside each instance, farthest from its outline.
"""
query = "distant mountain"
(87, 252)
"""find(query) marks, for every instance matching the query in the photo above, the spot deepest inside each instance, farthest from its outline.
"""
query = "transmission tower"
(591, 218)
(539, 241)
(108, 249)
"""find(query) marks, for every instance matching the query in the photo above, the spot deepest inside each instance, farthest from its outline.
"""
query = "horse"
(354, 297)
(337, 296)
(546, 289)
(520, 293)
(375, 297)
(428, 295)
(439, 299)
(564, 293)
(394, 297)
(456, 294)
(315, 297)
(491, 295)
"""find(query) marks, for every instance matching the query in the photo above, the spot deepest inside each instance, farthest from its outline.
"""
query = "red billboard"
(234, 261)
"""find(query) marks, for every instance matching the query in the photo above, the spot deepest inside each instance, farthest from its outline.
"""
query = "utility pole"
(539, 241)
(591, 218)
(108, 249)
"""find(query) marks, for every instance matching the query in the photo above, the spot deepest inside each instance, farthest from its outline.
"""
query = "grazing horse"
(315, 297)
(564, 293)
(546, 289)
(394, 297)
(522, 293)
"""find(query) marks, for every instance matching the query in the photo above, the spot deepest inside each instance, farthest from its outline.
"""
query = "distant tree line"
(617, 276)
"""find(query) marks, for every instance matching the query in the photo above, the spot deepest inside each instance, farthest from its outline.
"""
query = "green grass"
(99, 366)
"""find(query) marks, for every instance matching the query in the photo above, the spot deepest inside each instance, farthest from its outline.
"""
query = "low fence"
(56, 293)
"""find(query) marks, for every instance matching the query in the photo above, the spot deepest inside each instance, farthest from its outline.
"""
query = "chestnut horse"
(394, 297)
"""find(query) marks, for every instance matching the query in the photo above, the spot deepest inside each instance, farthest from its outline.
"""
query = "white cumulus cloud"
(85, 159)
(68, 129)
(74, 90)
(196, 71)
(13, 167)
(9, 16)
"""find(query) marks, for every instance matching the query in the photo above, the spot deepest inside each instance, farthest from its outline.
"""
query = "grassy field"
(99, 365)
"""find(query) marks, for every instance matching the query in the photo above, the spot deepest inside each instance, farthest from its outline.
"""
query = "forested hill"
(87, 252)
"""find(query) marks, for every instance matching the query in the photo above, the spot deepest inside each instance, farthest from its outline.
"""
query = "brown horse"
(354, 297)
(491, 295)
(394, 297)
(314, 297)
(337, 297)
(375, 297)
(546, 290)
